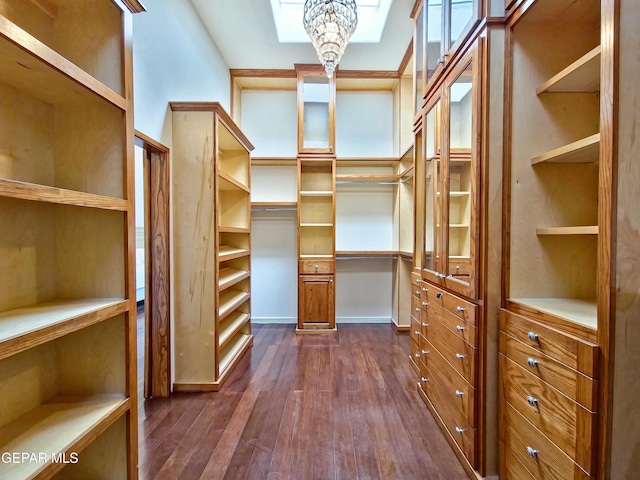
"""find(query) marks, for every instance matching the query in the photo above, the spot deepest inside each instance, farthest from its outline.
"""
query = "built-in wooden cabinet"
(559, 196)
(212, 235)
(316, 110)
(316, 243)
(67, 295)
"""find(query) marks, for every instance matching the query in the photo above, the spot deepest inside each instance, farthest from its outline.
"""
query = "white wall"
(274, 184)
(274, 267)
(174, 59)
(364, 290)
(364, 124)
(270, 120)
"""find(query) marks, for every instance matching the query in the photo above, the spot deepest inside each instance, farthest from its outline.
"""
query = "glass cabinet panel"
(461, 14)
(461, 111)
(316, 112)
(434, 36)
(432, 232)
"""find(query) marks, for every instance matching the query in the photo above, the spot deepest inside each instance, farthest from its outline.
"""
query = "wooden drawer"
(463, 433)
(416, 281)
(467, 311)
(567, 424)
(415, 307)
(510, 466)
(321, 267)
(456, 351)
(460, 267)
(462, 393)
(414, 357)
(464, 330)
(572, 383)
(416, 330)
(536, 452)
(576, 353)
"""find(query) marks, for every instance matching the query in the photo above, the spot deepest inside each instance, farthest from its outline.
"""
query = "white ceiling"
(245, 34)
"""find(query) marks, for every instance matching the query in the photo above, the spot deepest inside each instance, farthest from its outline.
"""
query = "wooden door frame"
(157, 355)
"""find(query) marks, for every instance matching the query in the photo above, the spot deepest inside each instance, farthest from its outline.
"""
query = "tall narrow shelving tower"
(212, 238)
(316, 200)
(67, 295)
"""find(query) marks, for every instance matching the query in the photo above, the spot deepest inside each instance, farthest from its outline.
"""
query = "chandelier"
(330, 24)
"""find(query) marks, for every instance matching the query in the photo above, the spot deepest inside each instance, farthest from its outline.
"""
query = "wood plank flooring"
(302, 407)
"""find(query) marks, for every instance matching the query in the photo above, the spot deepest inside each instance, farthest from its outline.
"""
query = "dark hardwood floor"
(302, 407)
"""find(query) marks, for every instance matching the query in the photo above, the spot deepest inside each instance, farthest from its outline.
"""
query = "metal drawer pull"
(459, 356)
(425, 304)
(459, 430)
(459, 393)
(425, 289)
(425, 352)
(417, 309)
(417, 332)
(425, 324)
(532, 362)
(459, 328)
(533, 453)
(424, 379)
(532, 336)
(439, 295)
(460, 309)
(417, 355)
(417, 292)
(533, 401)
(441, 275)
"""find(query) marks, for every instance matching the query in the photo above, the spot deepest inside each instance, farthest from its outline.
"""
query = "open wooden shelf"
(582, 312)
(586, 150)
(230, 276)
(342, 254)
(66, 424)
(583, 75)
(319, 255)
(233, 350)
(347, 178)
(45, 74)
(27, 327)
(230, 326)
(319, 224)
(274, 205)
(229, 183)
(579, 230)
(43, 193)
(229, 301)
(229, 253)
(316, 193)
(223, 229)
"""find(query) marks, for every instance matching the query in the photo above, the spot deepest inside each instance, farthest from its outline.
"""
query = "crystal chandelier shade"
(330, 24)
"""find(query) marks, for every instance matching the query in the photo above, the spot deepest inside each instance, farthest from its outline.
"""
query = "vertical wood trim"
(609, 97)
(131, 389)
(506, 166)
(148, 360)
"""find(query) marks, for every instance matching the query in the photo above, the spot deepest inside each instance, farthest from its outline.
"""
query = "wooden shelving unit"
(579, 230)
(67, 299)
(213, 241)
(583, 75)
(581, 312)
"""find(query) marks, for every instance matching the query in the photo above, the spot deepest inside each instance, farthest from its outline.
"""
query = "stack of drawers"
(448, 338)
(548, 402)
(416, 323)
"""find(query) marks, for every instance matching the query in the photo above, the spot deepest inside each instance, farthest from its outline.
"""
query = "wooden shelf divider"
(226, 253)
(583, 75)
(230, 183)
(229, 301)
(230, 276)
(230, 326)
(586, 150)
(578, 230)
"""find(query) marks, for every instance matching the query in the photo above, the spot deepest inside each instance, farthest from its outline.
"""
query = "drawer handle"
(417, 292)
(425, 304)
(425, 289)
(425, 324)
(417, 355)
(532, 362)
(459, 356)
(441, 275)
(417, 309)
(532, 336)
(533, 401)
(416, 332)
(424, 352)
(533, 453)
(439, 295)
(424, 379)
(460, 309)
(459, 393)
(459, 430)
(459, 328)
(418, 281)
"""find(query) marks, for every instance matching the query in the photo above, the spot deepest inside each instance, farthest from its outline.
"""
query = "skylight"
(372, 16)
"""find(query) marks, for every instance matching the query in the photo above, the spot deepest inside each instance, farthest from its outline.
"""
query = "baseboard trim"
(343, 320)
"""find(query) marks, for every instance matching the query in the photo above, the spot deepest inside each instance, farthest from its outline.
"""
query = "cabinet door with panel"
(451, 192)
(316, 302)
